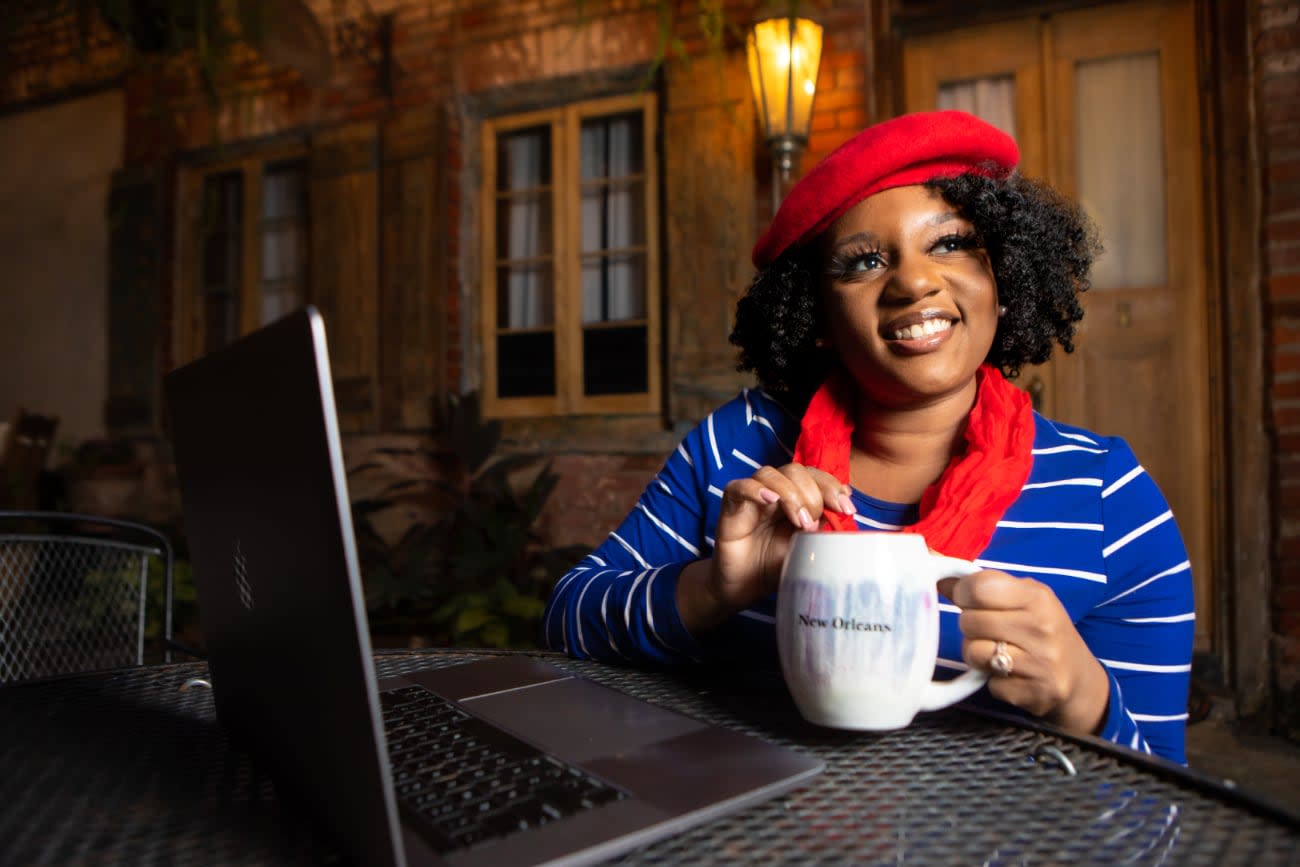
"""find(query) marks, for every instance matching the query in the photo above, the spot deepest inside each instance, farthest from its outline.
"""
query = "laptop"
(395, 768)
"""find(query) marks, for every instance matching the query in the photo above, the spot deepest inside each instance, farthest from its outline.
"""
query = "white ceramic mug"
(857, 626)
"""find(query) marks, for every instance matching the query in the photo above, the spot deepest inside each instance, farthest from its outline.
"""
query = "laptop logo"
(241, 578)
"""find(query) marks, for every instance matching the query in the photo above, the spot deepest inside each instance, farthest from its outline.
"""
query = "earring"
(1002, 310)
(821, 342)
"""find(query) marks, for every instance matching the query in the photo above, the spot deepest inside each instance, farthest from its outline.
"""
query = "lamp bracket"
(369, 38)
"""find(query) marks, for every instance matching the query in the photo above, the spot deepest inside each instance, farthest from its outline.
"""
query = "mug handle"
(941, 693)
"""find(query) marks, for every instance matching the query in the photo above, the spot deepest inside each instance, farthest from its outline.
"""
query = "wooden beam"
(1246, 452)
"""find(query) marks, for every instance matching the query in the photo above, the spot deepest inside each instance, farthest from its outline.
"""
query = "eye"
(867, 261)
(956, 242)
(854, 262)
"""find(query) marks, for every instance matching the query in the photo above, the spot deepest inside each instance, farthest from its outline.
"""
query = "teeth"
(922, 329)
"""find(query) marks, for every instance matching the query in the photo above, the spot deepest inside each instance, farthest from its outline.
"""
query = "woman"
(899, 281)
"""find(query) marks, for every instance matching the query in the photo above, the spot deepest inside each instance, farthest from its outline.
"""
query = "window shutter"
(137, 220)
(412, 303)
(345, 265)
(709, 201)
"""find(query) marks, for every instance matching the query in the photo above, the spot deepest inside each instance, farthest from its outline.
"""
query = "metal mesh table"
(131, 768)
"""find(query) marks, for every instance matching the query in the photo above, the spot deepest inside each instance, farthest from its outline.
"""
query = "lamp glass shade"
(784, 54)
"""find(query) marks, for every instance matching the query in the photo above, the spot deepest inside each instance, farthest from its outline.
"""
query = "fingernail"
(806, 520)
(846, 505)
(767, 496)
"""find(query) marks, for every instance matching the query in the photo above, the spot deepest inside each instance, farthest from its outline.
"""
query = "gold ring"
(1000, 661)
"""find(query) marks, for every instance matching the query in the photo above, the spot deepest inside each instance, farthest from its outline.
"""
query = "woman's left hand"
(1053, 674)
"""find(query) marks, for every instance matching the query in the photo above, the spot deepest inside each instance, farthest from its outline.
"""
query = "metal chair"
(74, 593)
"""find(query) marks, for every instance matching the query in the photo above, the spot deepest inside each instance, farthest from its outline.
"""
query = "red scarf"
(960, 511)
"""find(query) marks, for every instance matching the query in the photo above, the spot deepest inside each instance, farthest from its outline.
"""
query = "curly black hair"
(1041, 246)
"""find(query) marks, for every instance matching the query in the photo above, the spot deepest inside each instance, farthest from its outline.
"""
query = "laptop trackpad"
(580, 720)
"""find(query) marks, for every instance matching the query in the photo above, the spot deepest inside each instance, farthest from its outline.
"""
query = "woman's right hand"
(759, 515)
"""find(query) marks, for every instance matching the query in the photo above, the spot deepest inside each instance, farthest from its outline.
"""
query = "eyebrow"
(870, 237)
(856, 237)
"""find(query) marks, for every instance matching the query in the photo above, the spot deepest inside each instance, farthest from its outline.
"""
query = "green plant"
(185, 605)
(110, 595)
(468, 568)
(107, 596)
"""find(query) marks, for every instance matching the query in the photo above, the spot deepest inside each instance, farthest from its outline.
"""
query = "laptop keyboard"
(462, 781)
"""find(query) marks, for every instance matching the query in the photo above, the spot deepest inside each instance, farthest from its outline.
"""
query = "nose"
(914, 277)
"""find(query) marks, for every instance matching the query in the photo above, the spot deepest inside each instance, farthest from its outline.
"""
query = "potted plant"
(468, 568)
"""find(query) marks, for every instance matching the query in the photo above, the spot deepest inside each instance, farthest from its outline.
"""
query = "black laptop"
(507, 760)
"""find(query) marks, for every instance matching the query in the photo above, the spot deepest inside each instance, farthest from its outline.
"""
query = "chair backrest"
(25, 449)
(74, 593)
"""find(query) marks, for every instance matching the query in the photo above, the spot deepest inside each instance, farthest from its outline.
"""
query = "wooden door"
(1106, 109)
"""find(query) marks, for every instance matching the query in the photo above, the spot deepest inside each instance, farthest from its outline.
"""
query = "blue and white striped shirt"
(1090, 523)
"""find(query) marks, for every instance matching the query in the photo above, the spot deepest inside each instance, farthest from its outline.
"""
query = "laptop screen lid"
(268, 520)
(267, 514)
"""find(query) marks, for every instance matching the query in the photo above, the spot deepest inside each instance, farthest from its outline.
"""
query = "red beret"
(911, 149)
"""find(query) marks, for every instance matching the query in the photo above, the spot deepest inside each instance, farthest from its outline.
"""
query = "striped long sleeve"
(1090, 523)
(619, 602)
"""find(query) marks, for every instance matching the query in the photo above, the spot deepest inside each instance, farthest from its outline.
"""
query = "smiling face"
(909, 298)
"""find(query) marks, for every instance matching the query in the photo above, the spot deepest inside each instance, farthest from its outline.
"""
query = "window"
(244, 260)
(570, 260)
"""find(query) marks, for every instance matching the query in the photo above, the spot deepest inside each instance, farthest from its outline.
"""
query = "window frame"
(191, 327)
(565, 123)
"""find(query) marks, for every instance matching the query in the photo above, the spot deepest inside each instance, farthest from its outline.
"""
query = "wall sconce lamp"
(784, 54)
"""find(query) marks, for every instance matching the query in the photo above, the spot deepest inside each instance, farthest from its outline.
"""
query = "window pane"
(612, 146)
(220, 320)
(284, 190)
(613, 216)
(526, 364)
(221, 252)
(613, 288)
(524, 159)
(220, 261)
(1121, 167)
(280, 249)
(524, 226)
(992, 99)
(525, 296)
(615, 360)
(284, 239)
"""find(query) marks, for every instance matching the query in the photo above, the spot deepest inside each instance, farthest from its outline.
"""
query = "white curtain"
(611, 284)
(528, 302)
(991, 99)
(283, 230)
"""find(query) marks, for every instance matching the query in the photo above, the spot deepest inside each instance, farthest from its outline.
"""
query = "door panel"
(1119, 166)
(1136, 60)
(1106, 110)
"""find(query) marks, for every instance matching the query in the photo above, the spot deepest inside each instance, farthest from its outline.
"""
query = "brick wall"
(48, 54)
(440, 51)
(1277, 79)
